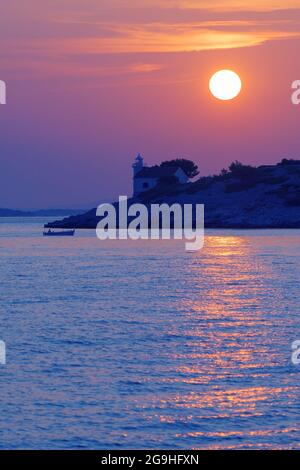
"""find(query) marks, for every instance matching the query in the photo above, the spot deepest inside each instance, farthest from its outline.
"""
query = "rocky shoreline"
(244, 198)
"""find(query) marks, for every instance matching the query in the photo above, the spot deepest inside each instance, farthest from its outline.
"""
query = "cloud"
(174, 38)
(59, 30)
(263, 5)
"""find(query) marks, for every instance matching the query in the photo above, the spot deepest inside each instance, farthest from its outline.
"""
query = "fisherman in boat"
(68, 233)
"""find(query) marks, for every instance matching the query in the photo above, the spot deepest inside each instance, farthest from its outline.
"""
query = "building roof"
(156, 172)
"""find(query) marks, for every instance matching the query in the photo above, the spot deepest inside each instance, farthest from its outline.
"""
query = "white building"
(145, 178)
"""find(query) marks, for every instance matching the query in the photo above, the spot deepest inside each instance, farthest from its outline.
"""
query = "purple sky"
(92, 83)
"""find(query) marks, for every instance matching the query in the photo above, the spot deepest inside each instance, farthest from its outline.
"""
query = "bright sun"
(225, 85)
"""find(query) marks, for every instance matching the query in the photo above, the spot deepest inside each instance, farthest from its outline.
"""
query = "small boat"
(64, 233)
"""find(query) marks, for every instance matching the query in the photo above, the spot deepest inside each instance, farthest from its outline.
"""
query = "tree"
(289, 161)
(188, 166)
(240, 171)
(224, 172)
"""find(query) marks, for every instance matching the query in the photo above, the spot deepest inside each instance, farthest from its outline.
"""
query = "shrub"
(288, 161)
(240, 171)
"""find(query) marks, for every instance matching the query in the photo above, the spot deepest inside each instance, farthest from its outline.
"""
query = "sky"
(91, 83)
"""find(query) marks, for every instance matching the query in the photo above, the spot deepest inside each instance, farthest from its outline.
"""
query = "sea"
(143, 345)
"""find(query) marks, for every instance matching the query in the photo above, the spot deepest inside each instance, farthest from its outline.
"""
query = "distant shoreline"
(39, 213)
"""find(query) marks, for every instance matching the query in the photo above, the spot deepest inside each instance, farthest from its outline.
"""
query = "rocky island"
(243, 196)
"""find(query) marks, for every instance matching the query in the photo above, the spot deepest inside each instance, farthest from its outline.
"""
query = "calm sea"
(120, 345)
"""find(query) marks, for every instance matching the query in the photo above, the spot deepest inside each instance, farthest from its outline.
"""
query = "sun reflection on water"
(142, 345)
(228, 344)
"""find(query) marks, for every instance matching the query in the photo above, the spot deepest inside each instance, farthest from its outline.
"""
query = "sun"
(225, 85)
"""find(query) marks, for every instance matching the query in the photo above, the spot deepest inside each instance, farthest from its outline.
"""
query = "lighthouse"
(138, 164)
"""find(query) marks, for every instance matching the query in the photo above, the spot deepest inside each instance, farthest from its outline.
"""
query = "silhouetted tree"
(224, 172)
(289, 161)
(188, 166)
(241, 171)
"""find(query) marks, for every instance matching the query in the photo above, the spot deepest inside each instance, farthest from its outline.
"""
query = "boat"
(64, 233)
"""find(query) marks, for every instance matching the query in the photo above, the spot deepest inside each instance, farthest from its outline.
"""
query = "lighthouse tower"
(138, 164)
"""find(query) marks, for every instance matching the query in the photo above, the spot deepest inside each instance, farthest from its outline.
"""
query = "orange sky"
(92, 82)
(59, 27)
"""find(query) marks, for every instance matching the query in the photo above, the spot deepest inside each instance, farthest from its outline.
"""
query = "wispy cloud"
(263, 5)
(60, 29)
(176, 38)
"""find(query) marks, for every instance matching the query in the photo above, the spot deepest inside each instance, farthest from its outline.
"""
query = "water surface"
(119, 345)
